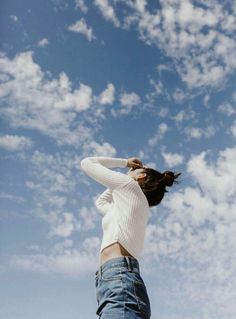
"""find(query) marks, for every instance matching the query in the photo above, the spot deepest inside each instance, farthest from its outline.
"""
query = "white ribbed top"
(123, 205)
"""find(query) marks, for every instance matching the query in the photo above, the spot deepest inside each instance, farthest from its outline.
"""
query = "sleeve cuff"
(125, 162)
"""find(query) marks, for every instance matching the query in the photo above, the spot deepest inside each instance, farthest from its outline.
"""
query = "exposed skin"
(137, 174)
(136, 170)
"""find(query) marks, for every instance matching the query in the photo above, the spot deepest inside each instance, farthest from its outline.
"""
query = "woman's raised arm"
(98, 168)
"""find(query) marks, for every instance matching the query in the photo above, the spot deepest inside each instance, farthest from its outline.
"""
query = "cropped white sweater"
(123, 205)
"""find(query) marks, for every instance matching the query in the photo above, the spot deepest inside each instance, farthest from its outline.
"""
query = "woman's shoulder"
(129, 186)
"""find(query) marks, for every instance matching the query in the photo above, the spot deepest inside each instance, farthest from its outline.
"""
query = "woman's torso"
(113, 251)
(128, 215)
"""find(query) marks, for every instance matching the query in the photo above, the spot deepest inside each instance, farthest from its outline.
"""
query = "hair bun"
(170, 178)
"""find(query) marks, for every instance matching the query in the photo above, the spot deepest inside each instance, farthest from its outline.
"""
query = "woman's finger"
(137, 163)
(134, 162)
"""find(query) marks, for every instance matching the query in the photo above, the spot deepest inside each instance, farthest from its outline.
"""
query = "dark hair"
(154, 185)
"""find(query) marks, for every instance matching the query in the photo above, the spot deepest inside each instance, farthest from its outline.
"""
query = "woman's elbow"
(84, 163)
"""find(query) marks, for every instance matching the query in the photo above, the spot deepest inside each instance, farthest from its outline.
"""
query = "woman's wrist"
(134, 162)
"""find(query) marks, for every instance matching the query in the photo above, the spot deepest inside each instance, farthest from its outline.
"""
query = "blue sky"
(152, 79)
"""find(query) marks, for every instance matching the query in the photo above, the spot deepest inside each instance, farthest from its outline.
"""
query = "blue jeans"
(120, 290)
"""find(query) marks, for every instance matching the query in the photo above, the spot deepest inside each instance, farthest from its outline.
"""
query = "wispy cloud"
(53, 182)
(178, 27)
(81, 27)
(184, 115)
(12, 197)
(232, 129)
(227, 109)
(63, 259)
(107, 11)
(129, 99)
(198, 233)
(108, 95)
(104, 149)
(13, 18)
(35, 100)
(59, 5)
(198, 132)
(172, 159)
(43, 42)
(179, 95)
(161, 131)
(81, 5)
(15, 143)
(127, 102)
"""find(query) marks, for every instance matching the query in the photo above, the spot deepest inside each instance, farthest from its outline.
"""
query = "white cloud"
(12, 197)
(129, 99)
(62, 246)
(54, 182)
(43, 42)
(59, 5)
(155, 91)
(107, 11)
(227, 109)
(127, 102)
(195, 17)
(104, 149)
(81, 5)
(15, 143)
(232, 129)
(199, 37)
(81, 27)
(64, 259)
(158, 88)
(218, 181)
(54, 173)
(63, 225)
(13, 18)
(197, 132)
(172, 159)
(88, 218)
(197, 235)
(184, 115)
(206, 99)
(179, 96)
(33, 99)
(162, 67)
(163, 111)
(161, 131)
(194, 132)
(108, 95)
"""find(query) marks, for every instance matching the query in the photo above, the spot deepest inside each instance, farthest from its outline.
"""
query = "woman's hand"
(134, 163)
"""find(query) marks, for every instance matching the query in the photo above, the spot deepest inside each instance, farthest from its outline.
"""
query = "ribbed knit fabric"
(123, 205)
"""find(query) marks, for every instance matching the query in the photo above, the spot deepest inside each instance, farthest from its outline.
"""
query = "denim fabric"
(120, 290)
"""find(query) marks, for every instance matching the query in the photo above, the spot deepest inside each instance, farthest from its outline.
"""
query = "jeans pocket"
(112, 275)
(142, 298)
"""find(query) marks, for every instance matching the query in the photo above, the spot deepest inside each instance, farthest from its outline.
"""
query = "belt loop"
(100, 272)
(128, 261)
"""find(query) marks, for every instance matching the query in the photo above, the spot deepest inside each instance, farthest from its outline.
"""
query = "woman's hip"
(120, 290)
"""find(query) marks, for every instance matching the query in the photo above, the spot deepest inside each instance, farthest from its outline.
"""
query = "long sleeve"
(104, 202)
(98, 168)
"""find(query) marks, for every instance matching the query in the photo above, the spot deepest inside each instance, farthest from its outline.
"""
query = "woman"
(124, 205)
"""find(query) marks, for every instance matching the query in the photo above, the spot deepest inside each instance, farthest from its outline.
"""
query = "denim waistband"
(127, 262)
